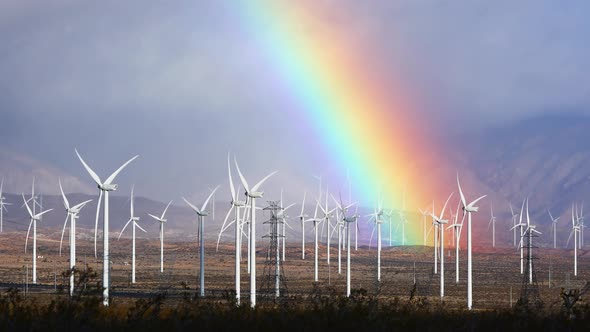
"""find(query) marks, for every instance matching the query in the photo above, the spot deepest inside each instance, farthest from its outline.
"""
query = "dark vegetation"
(321, 310)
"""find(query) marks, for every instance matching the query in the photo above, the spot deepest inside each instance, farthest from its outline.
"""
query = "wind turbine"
(440, 221)
(201, 214)
(72, 214)
(575, 232)
(493, 224)
(315, 221)
(104, 188)
(514, 216)
(132, 219)
(377, 214)
(2, 205)
(348, 221)
(161, 220)
(424, 213)
(521, 226)
(235, 204)
(341, 225)
(302, 216)
(284, 217)
(34, 219)
(554, 228)
(469, 209)
(252, 193)
(457, 237)
(327, 215)
(530, 229)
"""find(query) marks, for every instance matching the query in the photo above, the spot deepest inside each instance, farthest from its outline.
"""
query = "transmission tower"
(274, 284)
(529, 292)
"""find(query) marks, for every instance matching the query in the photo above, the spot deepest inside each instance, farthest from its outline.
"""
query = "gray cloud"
(182, 83)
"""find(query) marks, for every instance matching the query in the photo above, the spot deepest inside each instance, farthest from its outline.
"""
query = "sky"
(182, 83)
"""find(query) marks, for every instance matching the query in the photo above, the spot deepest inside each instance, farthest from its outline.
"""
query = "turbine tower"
(553, 228)
(252, 194)
(440, 222)
(377, 216)
(132, 219)
(302, 217)
(521, 226)
(201, 214)
(469, 209)
(161, 220)
(315, 221)
(104, 188)
(575, 232)
(34, 219)
(236, 204)
(493, 224)
(327, 214)
(72, 214)
(457, 237)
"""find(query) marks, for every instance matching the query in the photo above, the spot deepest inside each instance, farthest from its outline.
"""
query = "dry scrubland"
(171, 294)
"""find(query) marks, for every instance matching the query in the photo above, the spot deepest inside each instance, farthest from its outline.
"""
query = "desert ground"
(496, 272)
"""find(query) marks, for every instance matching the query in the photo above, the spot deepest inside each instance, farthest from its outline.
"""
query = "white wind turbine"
(327, 215)
(34, 219)
(72, 214)
(315, 221)
(236, 204)
(440, 222)
(457, 239)
(553, 228)
(2, 205)
(252, 194)
(575, 232)
(282, 215)
(302, 217)
(132, 219)
(514, 216)
(469, 209)
(521, 226)
(104, 188)
(377, 216)
(493, 224)
(424, 213)
(161, 220)
(340, 223)
(348, 220)
(530, 229)
(201, 214)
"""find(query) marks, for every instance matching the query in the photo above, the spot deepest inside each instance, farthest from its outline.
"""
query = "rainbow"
(358, 112)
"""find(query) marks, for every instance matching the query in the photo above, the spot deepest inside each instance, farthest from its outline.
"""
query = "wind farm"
(294, 165)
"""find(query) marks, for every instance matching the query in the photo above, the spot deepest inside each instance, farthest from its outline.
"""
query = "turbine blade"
(196, 209)
(136, 224)
(27, 205)
(27, 238)
(445, 206)
(96, 223)
(477, 200)
(81, 205)
(157, 218)
(166, 209)
(111, 178)
(303, 203)
(89, 170)
(223, 225)
(231, 181)
(242, 178)
(209, 198)
(63, 231)
(121, 233)
(63, 195)
(255, 188)
(38, 215)
(461, 192)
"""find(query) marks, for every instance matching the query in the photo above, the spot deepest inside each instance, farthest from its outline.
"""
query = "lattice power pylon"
(529, 292)
(274, 285)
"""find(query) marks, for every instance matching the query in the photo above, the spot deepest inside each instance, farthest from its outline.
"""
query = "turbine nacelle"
(108, 187)
(255, 194)
(238, 203)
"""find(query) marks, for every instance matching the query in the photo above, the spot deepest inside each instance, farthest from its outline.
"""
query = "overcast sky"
(183, 82)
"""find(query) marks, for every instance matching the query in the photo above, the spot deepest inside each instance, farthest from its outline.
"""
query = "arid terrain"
(497, 279)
